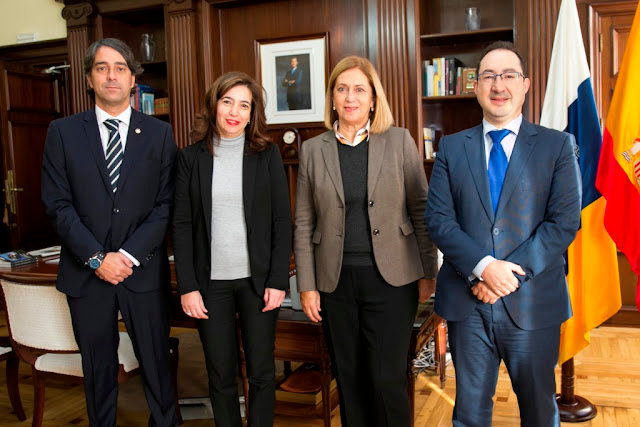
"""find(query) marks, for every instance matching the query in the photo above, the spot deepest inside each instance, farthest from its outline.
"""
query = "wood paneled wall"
(182, 65)
(79, 18)
(535, 29)
(234, 27)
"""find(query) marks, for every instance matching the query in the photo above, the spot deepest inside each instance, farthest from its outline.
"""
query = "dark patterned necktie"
(497, 165)
(114, 152)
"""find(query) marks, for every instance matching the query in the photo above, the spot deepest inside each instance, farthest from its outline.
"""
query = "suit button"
(116, 210)
(496, 231)
(371, 203)
(376, 231)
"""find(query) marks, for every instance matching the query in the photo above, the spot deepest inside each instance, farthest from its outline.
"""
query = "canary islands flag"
(569, 105)
(619, 172)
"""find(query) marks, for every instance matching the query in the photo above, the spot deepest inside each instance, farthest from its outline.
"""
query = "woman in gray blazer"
(362, 250)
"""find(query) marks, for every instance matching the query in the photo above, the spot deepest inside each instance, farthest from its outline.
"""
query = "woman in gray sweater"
(232, 243)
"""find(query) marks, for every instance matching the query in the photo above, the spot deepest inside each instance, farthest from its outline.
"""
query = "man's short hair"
(117, 45)
(501, 45)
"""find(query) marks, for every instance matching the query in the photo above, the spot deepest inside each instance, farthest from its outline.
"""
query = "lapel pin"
(138, 131)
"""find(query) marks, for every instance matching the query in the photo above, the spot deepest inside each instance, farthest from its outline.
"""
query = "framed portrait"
(293, 73)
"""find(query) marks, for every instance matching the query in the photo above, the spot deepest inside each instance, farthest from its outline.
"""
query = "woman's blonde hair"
(381, 117)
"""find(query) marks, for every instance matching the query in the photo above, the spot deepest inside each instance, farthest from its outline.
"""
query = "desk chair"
(41, 333)
(7, 353)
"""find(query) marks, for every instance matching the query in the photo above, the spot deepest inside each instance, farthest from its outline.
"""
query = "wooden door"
(28, 102)
(611, 24)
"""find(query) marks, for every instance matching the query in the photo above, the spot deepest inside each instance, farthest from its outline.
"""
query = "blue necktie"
(497, 165)
(114, 152)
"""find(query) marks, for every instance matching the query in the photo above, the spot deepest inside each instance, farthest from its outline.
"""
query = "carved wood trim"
(77, 44)
(78, 14)
(541, 27)
(393, 61)
(182, 65)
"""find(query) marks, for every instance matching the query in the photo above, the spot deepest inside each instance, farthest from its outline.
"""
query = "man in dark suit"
(293, 82)
(107, 185)
(503, 206)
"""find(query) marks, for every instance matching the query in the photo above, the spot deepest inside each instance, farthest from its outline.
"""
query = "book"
(452, 65)
(147, 103)
(468, 77)
(429, 87)
(428, 135)
(17, 257)
(425, 77)
(161, 105)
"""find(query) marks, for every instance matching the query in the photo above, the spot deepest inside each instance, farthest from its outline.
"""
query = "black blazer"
(88, 217)
(267, 215)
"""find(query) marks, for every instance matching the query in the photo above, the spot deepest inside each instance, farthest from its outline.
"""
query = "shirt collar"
(124, 117)
(360, 136)
(513, 126)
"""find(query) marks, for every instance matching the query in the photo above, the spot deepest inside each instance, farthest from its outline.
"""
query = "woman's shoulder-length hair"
(205, 126)
(381, 117)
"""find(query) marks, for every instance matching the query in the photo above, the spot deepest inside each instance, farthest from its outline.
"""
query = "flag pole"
(572, 408)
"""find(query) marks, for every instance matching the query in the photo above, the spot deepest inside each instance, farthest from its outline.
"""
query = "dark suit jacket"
(267, 215)
(88, 217)
(294, 91)
(397, 191)
(536, 220)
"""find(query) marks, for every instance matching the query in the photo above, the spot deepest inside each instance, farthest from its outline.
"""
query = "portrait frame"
(285, 105)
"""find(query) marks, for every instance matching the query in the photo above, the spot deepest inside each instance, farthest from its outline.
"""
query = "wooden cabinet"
(172, 73)
(132, 26)
(442, 33)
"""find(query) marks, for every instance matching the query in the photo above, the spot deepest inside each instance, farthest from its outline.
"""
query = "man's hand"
(498, 276)
(483, 293)
(272, 299)
(193, 306)
(426, 288)
(310, 301)
(115, 268)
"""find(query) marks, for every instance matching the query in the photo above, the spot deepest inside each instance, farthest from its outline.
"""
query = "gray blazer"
(397, 192)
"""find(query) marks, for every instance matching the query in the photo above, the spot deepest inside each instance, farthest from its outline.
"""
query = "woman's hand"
(310, 301)
(426, 288)
(193, 306)
(272, 299)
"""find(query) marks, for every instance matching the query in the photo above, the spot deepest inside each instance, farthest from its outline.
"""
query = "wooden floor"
(608, 374)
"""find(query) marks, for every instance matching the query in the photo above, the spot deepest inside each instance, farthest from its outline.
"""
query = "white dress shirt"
(508, 142)
(124, 119)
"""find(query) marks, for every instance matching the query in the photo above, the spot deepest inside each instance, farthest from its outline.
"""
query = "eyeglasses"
(509, 77)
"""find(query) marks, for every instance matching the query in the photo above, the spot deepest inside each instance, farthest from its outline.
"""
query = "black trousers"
(95, 325)
(223, 299)
(478, 344)
(368, 327)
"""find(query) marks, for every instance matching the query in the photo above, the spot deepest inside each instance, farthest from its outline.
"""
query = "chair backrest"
(39, 316)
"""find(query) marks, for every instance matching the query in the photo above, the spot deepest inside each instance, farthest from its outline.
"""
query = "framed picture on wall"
(293, 72)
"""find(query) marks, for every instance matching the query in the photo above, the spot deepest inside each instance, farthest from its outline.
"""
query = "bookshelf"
(130, 26)
(441, 33)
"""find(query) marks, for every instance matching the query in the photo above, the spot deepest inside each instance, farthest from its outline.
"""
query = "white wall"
(42, 17)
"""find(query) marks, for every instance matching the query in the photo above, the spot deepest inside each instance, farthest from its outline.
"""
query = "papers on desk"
(46, 252)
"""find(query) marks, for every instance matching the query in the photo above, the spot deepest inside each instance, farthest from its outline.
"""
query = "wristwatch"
(95, 261)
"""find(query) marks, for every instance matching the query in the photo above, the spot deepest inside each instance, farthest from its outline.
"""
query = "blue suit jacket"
(536, 220)
(88, 217)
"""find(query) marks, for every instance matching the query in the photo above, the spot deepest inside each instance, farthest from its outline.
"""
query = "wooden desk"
(297, 339)
(300, 340)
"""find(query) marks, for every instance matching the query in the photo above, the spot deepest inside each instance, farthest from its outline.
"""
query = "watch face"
(289, 137)
(94, 263)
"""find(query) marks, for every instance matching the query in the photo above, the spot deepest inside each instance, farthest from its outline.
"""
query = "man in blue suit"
(107, 186)
(503, 206)
(293, 82)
